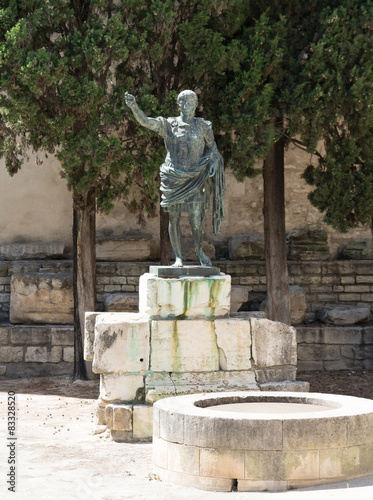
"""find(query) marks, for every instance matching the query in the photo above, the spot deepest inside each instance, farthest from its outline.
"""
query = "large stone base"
(141, 361)
(182, 342)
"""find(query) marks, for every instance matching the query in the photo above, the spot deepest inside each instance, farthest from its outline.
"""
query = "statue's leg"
(175, 237)
(195, 218)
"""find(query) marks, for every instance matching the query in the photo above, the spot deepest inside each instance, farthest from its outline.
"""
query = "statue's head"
(188, 95)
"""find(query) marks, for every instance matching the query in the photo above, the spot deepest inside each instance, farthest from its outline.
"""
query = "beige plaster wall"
(36, 206)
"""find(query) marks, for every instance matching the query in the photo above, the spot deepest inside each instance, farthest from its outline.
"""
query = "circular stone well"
(256, 441)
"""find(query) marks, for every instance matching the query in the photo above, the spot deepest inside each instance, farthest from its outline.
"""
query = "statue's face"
(187, 104)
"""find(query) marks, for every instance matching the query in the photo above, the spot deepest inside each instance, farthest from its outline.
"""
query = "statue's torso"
(186, 143)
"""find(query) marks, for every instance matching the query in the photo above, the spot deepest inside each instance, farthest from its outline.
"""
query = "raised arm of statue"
(145, 121)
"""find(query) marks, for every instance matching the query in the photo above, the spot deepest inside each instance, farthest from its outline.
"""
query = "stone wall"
(325, 283)
(330, 282)
(19, 267)
(335, 348)
(41, 350)
(36, 351)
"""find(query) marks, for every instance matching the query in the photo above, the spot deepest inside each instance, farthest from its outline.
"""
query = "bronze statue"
(193, 169)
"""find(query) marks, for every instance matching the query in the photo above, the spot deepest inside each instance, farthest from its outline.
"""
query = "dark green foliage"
(57, 61)
(66, 64)
(275, 36)
(337, 101)
(308, 67)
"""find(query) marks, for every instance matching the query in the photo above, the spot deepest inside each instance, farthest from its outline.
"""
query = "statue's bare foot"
(203, 259)
(178, 262)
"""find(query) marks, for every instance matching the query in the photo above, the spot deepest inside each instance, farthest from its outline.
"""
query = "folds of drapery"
(178, 186)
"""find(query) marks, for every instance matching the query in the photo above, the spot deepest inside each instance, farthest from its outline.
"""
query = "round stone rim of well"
(212, 449)
(198, 404)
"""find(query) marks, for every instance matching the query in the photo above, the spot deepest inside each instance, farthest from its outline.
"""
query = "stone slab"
(43, 354)
(176, 272)
(276, 374)
(142, 422)
(160, 385)
(120, 387)
(234, 343)
(122, 302)
(358, 249)
(68, 354)
(121, 343)
(89, 334)
(42, 298)
(273, 343)
(183, 346)
(222, 463)
(132, 248)
(185, 297)
(239, 296)
(119, 417)
(343, 315)
(11, 354)
(183, 458)
(246, 247)
(249, 314)
(25, 251)
(304, 244)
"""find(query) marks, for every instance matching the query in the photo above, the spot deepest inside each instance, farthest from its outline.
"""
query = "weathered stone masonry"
(331, 282)
(34, 350)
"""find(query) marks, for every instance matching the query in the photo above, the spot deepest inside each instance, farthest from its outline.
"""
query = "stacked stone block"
(182, 341)
(335, 348)
(34, 351)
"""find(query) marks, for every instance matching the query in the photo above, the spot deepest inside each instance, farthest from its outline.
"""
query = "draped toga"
(185, 181)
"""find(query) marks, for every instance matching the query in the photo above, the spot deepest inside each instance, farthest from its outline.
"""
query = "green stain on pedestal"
(176, 349)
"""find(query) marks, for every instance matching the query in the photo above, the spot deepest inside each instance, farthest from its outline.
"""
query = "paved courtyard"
(58, 456)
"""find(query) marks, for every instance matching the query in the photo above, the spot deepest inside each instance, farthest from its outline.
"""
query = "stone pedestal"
(182, 341)
(185, 297)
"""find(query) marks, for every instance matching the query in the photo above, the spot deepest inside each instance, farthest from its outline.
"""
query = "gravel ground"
(60, 457)
(351, 383)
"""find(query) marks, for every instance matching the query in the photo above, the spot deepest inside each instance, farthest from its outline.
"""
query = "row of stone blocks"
(182, 341)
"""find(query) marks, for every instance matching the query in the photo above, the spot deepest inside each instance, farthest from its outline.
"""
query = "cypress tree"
(64, 68)
(337, 102)
(306, 77)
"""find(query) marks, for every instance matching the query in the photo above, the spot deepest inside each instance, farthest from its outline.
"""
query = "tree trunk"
(84, 270)
(278, 295)
(165, 246)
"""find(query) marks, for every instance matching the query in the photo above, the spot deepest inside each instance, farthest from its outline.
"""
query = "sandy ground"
(59, 456)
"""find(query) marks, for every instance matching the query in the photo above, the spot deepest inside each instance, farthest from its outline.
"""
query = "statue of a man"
(193, 169)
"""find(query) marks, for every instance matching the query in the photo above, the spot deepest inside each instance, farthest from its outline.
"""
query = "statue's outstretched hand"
(130, 100)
